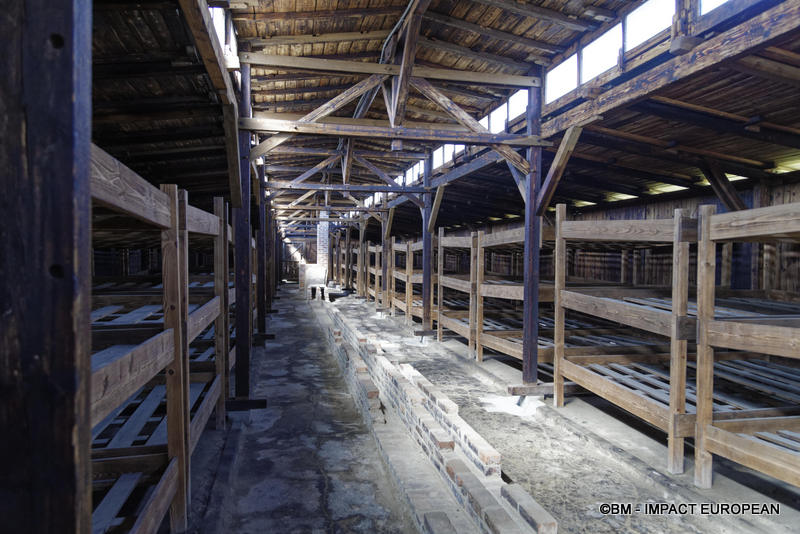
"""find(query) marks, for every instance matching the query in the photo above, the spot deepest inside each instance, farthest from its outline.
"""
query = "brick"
(530, 510)
(479, 497)
(499, 522)
(442, 439)
(454, 468)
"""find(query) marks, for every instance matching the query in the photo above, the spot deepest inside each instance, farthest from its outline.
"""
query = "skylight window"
(438, 157)
(457, 149)
(562, 79)
(602, 53)
(449, 152)
(709, 5)
(497, 119)
(647, 20)
(518, 104)
(484, 122)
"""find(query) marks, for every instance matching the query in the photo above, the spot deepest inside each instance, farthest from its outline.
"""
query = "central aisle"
(307, 463)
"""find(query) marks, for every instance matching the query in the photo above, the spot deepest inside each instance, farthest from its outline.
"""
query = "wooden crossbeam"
(324, 110)
(370, 188)
(557, 168)
(400, 83)
(360, 122)
(434, 95)
(347, 161)
(315, 38)
(315, 169)
(723, 188)
(463, 51)
(540, 14)
(385, 178)
(437, 203)
(306, 16)
(416, 134)
(334, 65)
(769, 69)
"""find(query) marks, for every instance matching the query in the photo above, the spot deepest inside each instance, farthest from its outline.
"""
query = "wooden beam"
(333, 65)
(314, 38)
(557, 168)
(359, 122)
(315, 169)
(759, 31)
(229, 118)
(493, 34)
(324, 110)
(309, 16)
(400, 83)
(769, 69)
(437, 202)
(386, 178)
(435, 96)
(463, 51)
(418, 134)
(305, 186)
(723, 188)
(45, 287)
(347, 161)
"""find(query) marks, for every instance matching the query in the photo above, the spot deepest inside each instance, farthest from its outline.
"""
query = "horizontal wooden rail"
(121, 377)
(158, 502)
(115, 186)
(646, 230)
(767, 339)
(203, 413)
(768, 224)
(201, 222)
(200, 318)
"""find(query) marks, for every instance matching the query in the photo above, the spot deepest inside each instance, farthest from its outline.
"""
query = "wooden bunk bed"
(149, 402)
(407, 298)
(766, 440)
(456, 317)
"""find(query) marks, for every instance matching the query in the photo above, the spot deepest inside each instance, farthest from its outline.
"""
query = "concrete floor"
(574, 459)
(307, 463)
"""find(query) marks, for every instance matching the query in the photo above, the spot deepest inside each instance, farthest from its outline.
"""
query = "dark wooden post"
(348, 257)
(533, 225)
(269, 248)
(386, 257)
(221, 341)
(261, 256)
(45, 338)
(427, 251)
(244, 277)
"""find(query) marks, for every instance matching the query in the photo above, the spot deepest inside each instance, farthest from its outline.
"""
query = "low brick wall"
(469, 465)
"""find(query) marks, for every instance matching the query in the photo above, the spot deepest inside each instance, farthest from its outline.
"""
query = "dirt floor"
(565, 465)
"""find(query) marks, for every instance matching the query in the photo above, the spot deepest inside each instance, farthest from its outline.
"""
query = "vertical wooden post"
(386, 256)
(473, 291)
(183, 270)
(560, 282)
(678, 347)
(221, 341)
(409, 285)
(244, 308)
(427, 248)
(706, 272)
(390, 258)
(269, 261)
(348, 257)
(726, 270)
(533, 225)
(624, 267)
(480, 267)
(175, 380)
(440, 292)
(378, 274)
(261, 256)
(45, 261)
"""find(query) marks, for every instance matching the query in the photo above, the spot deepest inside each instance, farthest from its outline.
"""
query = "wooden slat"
(203, 413)
(105, 512)
(119, 379)
(768, 223)
(157, 503)
(651, 230)
(751, 425)
(115, 186)
(767, 339)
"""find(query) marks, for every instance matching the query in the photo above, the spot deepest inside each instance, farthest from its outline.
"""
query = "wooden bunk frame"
(610, 304)
(768, 441)
(155, 355)
(409, 302)
(449, 319)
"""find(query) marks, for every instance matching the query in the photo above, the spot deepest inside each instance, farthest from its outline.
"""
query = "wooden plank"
(751, 34)
(358, 67)
(201, 222)
(559, 283)
(115, 186)
(231, 127)
(755, 454)
(751, 425)
(480, 272)
(113, 501)
(121, 377)
(203, 316)
(155, 507)
(540, 14)
(649, 230)
(767, 339)
(767, 223)
(315, 38)
(221, 291)
(678, 345)
(723, 188)
(203, 413)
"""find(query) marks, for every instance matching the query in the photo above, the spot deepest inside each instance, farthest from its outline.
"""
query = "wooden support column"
(261, 256)
(269, 247)
(175, 379)
(706, 269)
(440, 292)
(386, 256)
(427, 246)
(241, 217)
(348, 259)
(473, 292)
(45, 337)
(480, 268)
(409, 285)
(683, 39)
(678, 347)
(533, 227)
(221, 330)
(392, 262)
(559, 283)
